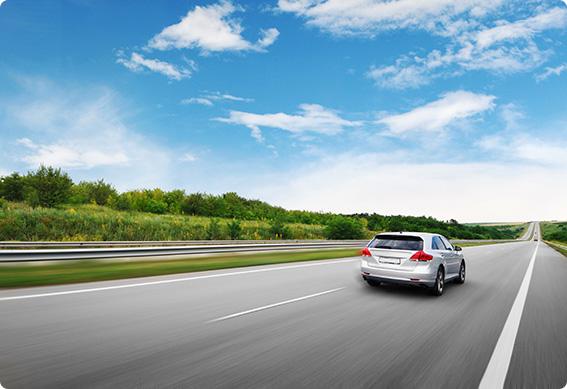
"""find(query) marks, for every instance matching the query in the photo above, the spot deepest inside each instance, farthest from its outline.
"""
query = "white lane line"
(495, 373)
(170, 281)
(273, 305)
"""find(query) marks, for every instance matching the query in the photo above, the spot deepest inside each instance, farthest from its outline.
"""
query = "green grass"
(96, 223)
(510, 230)
(38, 274)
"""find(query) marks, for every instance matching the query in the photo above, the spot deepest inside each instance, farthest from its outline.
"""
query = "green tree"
(342, 227)
(96, 192)
(174, 200)
(194, 204)
(47, 187)
(12, 187)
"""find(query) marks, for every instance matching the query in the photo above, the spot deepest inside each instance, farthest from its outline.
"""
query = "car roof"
(427, 235)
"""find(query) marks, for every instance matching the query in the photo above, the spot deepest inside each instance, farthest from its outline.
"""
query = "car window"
(437, 244)
(447, 243)
(397, 242)
(434, 245)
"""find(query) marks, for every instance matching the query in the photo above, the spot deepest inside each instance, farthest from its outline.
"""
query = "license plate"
(389, 260)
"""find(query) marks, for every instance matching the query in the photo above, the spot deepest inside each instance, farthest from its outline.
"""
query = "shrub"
(214, 231)
(345, 228)
(279, 230)
(235, 229)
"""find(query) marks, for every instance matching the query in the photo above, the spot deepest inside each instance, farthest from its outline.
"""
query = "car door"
(453, 258)
(438, 245)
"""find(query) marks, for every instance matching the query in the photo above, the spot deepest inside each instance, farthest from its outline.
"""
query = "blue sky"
(443, 108)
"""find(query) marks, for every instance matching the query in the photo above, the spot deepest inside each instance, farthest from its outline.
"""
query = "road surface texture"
(311, 324)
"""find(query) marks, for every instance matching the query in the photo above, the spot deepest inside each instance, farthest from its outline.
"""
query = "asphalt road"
(312, 324)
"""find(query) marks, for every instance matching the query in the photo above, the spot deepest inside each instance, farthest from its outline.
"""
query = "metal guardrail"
(130, 252)
(160, 243)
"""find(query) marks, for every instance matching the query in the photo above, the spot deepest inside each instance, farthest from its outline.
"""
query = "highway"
(309, 324)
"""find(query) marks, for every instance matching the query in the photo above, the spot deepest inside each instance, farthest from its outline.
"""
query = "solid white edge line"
(497, 369)
(273, 305)
(170, 281)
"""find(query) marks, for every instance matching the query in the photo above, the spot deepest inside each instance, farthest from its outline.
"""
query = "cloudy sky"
(454, 109)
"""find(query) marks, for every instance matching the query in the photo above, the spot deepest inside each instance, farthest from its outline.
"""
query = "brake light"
(421, 256)
(365, 252)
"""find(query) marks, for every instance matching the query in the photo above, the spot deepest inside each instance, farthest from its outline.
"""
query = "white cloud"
(483, 191)
(552, 71)
(137, 63)
(525, 147)
(2, 2)
(189, 157)
(218, 96)
(439, 114)
(512, 116)
(69, 155)
(198, 100)
(522, 29)
(508, 47)
(209, 98)
(211, 29)
(311, 118)
(268, 37)
(369, 17)
(399, 76)
(84, 130)
(84, 133)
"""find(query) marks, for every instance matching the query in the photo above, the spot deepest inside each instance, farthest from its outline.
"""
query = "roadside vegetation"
(555, 234)
(24, 275)
(46, 204)
(554, 231)
(558, 247)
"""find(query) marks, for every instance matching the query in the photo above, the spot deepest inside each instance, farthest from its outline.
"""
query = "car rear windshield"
(397, 242)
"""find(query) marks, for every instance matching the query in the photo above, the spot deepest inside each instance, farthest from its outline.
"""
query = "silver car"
(413, 258)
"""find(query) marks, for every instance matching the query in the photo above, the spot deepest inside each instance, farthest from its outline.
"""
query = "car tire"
(373, 283)
(439, 285)
(462, 273)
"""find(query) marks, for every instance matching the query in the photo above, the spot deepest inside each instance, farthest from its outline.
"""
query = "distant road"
(310, 324)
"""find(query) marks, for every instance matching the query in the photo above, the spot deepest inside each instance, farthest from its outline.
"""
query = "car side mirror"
(458, 248)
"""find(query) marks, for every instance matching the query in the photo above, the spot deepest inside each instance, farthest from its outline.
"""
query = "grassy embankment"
(20, 222)
(86, 222)
(555, 234)
(37, 274)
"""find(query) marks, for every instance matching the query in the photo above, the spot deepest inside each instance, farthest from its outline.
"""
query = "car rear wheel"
(373, 282)
(462, 273)
(439, 286)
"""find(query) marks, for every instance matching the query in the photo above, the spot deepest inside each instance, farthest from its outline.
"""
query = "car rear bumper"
(420, 276)
(398, 281)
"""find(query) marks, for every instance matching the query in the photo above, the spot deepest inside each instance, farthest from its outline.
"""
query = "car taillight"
(365, 252)
(421, 256)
